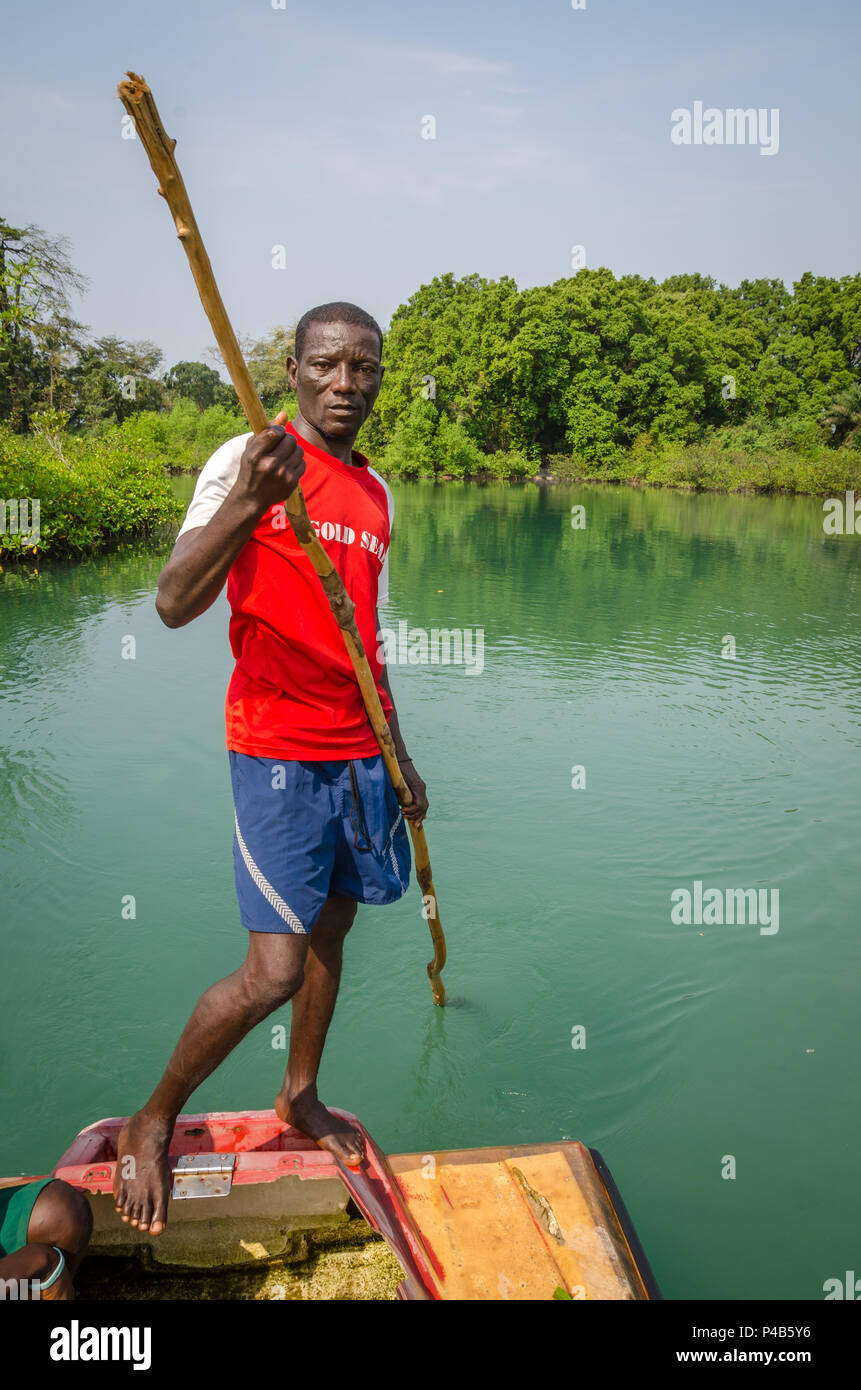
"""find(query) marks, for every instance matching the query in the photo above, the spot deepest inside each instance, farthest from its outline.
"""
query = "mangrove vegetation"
(684, 383)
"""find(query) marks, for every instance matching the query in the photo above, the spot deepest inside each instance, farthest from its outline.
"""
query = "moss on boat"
(347, 1262)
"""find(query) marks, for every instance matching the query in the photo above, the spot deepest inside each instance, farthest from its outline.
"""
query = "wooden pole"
(138, 101)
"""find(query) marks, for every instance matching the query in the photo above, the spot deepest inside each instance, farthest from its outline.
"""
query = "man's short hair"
(337, 312)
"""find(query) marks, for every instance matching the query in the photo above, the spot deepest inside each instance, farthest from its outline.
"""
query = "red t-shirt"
(293, 693)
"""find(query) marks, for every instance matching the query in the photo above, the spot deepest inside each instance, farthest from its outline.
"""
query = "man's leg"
(271, 973)
(313, 1005)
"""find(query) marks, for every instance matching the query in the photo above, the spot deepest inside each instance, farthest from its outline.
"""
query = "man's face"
(338, 378)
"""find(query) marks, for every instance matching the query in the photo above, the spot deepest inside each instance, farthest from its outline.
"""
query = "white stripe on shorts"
(390, 850)
(274, 899)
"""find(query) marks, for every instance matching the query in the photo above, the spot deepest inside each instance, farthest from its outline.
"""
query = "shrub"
(412, 450)
(146, 433)
(181, 425)
(105, 488)
(216, 425)
(509, 463)
(456, 452)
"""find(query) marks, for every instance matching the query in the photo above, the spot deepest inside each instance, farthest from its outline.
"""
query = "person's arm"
(271, 466)
(38, 1260)
(419, 808)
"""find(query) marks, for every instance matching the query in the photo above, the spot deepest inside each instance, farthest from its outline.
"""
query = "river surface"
(697, 657)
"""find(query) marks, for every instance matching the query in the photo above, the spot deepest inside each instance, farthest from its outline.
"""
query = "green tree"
(114, 379)
(455, 452)
(60, 340)
(217, 424)
(267, 363)
(266, 358)
(450, 345)
(843, 416)
(36, 281)
(196, 382)
(412, 448)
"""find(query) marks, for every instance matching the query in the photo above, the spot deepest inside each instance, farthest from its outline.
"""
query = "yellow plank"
(518, 1225)
(586, 1266)
(476, 1222)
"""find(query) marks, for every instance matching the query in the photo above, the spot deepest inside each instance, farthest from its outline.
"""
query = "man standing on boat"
(317, 825)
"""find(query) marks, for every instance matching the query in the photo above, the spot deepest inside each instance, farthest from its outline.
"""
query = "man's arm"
(37, 1260)
(419, 808)
(271, 466)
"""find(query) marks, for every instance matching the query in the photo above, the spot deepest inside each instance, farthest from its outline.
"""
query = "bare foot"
(305, 1112)
(142, 1178)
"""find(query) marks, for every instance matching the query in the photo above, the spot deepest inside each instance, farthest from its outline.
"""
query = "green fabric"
(16, 1208)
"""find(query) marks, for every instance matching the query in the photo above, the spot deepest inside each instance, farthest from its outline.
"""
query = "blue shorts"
(304, 830)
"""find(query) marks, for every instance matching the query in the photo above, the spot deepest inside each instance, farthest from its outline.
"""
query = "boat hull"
(514, 1223)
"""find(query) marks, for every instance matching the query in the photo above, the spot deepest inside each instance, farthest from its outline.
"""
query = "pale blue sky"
(302, 126)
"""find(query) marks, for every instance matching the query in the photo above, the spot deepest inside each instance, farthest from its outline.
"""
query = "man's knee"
(61, 1216)
(273, 972)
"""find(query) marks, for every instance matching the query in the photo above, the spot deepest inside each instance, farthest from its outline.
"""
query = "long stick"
(137, 98)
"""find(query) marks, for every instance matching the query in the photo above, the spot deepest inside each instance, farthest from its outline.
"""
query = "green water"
(603, 648)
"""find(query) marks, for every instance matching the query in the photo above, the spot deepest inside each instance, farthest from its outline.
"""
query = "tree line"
(595, 366)
(595, 372)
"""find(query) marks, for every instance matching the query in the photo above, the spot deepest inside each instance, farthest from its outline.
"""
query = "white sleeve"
(217, 477)
(383, 585)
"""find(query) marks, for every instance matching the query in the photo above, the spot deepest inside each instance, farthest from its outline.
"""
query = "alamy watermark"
(446, 646)
(718, 907)
(850, 1288)
(842, 516)
(21, 516)
(735, 126)
(82, 1343)
(20, 1290)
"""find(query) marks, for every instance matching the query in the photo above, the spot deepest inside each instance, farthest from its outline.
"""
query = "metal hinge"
(203, 1175)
